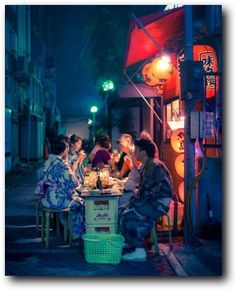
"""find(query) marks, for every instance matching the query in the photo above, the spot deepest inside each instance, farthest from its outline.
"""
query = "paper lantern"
(181, 191)
(161, 68)
(177, 140)
(207, 55)
(179, 165)
(148, 77)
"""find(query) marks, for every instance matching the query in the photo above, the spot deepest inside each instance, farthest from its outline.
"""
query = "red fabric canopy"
(165, 27)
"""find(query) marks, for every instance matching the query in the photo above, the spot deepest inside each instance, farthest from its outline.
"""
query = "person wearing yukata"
(151, 201)
(57, 184)
(76, 156)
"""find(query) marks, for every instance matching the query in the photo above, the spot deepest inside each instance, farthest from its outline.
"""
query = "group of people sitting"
(147, 182)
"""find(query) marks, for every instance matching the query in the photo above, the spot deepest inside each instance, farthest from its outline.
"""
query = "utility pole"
(189, 144)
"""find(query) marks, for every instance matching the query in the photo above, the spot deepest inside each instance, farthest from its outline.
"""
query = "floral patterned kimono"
(79, 172)
(59, 191)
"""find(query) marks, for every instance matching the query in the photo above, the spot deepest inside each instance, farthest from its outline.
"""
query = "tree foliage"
(108, 32)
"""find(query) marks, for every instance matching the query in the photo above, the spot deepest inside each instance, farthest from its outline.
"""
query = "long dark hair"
(58, 146)
(74, 139)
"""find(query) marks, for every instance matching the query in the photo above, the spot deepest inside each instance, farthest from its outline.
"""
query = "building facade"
(30, 90)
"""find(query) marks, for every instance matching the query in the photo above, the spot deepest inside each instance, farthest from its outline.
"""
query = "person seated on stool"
(59, 181)
(76, 156)
(152, 200)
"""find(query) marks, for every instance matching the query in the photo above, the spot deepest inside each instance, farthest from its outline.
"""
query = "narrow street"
(26, 256)
(131, 97)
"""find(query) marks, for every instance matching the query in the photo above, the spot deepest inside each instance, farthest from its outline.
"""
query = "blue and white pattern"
(60, 190)
(80, 171)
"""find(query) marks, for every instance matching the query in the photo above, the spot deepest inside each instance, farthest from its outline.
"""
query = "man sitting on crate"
(152, 200)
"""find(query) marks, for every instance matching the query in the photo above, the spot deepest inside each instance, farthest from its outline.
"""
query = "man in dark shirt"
(151, 201)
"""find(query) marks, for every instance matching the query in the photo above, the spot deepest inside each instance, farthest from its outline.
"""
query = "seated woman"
(98, 140)
(103, 156)
(76, 156)
(59, 181)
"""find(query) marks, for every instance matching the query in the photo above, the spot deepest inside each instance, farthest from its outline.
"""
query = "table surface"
(99, 193)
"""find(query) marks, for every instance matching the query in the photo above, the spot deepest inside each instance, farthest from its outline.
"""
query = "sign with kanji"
(177, 140)
(207, 55)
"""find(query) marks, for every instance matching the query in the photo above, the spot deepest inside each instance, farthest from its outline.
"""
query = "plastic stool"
(46, 214)
(154, 236)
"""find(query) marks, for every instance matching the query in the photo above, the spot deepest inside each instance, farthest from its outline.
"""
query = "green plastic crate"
(103, 248)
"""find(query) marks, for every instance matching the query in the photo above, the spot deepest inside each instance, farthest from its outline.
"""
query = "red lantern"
(181, 191)
(177, 140)
(207, 55)
(179, 165)
(148, 77)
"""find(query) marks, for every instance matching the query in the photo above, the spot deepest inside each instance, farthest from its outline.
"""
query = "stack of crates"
(101, 214)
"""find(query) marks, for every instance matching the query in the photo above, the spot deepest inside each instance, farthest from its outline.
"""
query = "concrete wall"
(76, 126)
(210, 183)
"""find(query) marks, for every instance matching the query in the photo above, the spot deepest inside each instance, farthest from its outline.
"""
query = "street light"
(94, 110)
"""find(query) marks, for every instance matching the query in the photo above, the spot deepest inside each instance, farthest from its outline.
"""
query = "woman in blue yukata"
(57, 186)
(76, 156)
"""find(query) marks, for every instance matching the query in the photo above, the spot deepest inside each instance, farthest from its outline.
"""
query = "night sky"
(75, 87)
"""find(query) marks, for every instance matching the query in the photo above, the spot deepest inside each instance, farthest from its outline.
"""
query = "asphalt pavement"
(25, 254)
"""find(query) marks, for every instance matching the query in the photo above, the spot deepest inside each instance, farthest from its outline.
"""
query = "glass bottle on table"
(99, 182)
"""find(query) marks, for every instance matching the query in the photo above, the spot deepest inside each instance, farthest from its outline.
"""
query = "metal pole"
(189, 148)
(94, 127)
(154, 112)
(152, 118)
(140, 25)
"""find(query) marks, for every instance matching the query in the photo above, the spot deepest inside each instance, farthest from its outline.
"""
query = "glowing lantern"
(181, 191)
(161, 68)
(207, 55)
(148, 77)
(179, 165)
(177, 140)
(157, 72)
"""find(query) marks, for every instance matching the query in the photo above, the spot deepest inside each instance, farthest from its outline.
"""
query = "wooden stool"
(154, 236)
(37, 213)
(46, 214)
